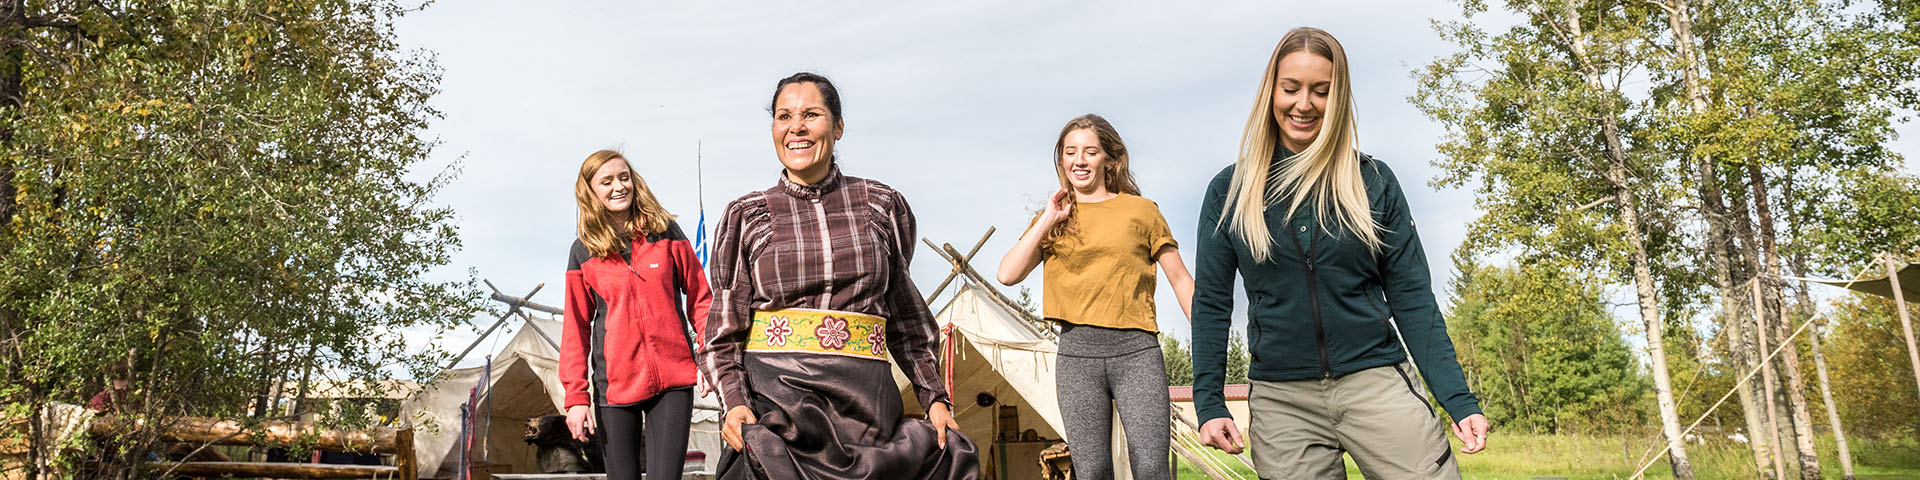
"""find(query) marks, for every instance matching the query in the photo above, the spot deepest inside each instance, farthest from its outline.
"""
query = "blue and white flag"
(700, 239)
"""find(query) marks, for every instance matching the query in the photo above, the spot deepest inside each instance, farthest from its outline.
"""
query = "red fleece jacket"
(624, 333)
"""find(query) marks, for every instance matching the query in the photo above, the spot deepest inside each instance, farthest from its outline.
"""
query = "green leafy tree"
(230, 191)
(1751, 126)
(1872, 379)
(1540, 119)
(1749, 105)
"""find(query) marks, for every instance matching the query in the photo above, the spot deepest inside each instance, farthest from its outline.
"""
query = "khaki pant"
(1378, 415)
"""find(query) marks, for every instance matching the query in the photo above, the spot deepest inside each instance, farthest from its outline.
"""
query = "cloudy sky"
(954, 103)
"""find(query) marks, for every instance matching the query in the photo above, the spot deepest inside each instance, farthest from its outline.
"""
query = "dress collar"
(822, 187)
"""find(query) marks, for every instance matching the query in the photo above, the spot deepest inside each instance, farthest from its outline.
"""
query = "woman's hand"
(580, 422)
(730, 431)
(1472, 431)
(1057, 209)
(942, 418)
(1025, 254)
(1220, 433)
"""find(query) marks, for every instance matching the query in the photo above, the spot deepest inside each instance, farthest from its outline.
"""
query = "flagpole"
(700, 198)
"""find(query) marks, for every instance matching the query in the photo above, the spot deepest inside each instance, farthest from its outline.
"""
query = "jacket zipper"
(1313, 297)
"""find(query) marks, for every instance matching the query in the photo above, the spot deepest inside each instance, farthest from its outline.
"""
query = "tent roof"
(1881, 285)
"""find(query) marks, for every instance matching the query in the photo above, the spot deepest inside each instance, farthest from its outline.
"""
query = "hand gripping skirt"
(828, 409)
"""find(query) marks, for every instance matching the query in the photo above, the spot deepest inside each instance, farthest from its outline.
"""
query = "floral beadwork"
(833, 333)
(777, 331)
(812, 331)
(878, 339)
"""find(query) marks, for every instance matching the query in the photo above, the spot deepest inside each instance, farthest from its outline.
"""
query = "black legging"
(663, 419)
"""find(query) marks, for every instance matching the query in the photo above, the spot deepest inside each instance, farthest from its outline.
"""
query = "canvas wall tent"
(998, 353)
(1909, 275)
(524, 383)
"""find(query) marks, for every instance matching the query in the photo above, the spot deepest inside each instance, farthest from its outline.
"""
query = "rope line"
(1641, 472)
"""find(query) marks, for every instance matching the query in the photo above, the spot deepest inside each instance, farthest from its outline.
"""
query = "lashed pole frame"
(952, 255)
(512, 309)
(956, 267)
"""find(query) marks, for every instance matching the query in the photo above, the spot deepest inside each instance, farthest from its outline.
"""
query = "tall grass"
(1582, 457)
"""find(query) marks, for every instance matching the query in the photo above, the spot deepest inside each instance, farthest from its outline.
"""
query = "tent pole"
(1906, 324)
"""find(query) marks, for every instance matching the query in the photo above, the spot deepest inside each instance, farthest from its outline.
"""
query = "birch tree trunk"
(1625, 198)
(1833, 413)
(1789, 359)
(1719, 241)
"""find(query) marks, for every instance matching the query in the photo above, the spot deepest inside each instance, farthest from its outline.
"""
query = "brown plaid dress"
(843, 244)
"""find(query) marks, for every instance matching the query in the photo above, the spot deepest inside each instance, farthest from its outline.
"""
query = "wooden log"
(403, 455)
(522, 302)
(270, 470)
(230, 432)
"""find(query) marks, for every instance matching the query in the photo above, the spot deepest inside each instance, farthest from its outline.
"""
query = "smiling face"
(1302, 83)
(612, 186)
(1083, 161)
(804, 130)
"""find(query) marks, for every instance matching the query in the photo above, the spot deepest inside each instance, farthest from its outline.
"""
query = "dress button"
(1303, 228)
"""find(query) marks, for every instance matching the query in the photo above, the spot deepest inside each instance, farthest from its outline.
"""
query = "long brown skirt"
(832, 417)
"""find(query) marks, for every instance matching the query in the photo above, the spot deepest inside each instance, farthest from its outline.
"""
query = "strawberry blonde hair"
(1116, 171)
(597, 230)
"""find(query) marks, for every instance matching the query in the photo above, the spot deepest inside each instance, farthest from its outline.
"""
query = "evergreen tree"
(1179, 361)
(1239, 360)
(1543, 352)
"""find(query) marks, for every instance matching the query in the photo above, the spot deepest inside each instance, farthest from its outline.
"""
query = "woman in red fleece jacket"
(626, 348)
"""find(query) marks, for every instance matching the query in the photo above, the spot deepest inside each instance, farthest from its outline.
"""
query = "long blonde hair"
(645, 216)
(1117, 172)
(1327, 173)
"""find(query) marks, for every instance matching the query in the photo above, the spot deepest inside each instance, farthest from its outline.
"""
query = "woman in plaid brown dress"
(811, 297)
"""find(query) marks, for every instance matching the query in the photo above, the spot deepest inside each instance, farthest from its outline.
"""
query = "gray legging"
(1099, 368)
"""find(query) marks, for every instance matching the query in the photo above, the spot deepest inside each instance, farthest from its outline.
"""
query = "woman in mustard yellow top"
(1100, 240)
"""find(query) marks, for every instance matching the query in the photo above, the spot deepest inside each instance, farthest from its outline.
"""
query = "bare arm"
(1025, 255)
(1169, 259)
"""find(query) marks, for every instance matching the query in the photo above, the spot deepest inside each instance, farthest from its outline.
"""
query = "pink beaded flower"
(833, 333)
(879, 340)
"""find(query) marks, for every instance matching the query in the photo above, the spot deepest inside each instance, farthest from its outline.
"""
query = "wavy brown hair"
(1117, 171)
(597, 230)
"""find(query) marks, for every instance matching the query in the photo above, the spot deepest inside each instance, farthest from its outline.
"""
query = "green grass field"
(1525, 457)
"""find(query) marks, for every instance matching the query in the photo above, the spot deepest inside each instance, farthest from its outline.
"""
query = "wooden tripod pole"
(1906, 324)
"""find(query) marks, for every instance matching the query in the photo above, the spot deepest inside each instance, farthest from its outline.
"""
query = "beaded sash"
(827, 332)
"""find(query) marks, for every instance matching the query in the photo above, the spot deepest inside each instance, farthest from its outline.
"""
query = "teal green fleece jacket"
(1319, 307)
